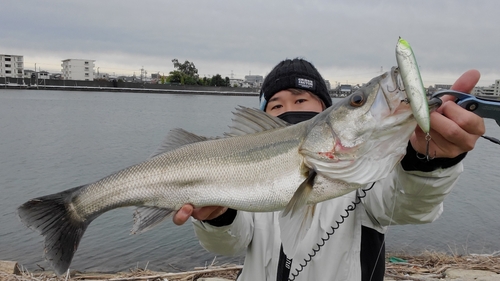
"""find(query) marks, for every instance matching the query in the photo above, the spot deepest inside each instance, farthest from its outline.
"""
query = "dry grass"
(435, 264)
(225, 271)
(429, 264)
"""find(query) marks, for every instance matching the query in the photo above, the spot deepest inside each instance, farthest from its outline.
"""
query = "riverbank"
(170, 90)
(428, 266)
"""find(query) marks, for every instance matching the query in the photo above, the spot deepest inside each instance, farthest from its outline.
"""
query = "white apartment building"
(78, 69)
(491, 91)
(11, 66)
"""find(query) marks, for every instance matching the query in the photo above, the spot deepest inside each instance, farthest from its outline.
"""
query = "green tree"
(185, 73)
(188, 71)
(175, 77)
(187, 68)
(217, 81)
(190, 80)
(205, 81)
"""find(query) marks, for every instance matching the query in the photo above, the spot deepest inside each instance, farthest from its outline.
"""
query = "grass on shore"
(398, 265)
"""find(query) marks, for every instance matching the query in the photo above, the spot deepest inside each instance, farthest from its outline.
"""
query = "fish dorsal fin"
(146, 218)
(250, 120)
(177, 138)
(293, 228)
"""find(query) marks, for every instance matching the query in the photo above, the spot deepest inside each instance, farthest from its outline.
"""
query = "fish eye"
(357, 99)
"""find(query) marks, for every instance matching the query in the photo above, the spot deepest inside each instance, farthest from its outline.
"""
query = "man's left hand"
(454, 130)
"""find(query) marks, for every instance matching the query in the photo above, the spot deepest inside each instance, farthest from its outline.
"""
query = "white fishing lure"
(413, 84)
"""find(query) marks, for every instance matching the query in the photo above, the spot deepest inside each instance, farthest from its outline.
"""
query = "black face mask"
(294, 117)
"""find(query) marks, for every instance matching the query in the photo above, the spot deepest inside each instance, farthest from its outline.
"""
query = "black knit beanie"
(298, 74)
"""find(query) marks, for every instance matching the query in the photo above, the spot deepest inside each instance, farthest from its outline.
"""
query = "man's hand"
(204, 213)
(454, 130)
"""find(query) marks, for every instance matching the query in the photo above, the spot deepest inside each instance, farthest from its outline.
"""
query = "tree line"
(187, 74)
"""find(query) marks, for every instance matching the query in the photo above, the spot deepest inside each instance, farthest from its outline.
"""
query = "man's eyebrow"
(274, 99)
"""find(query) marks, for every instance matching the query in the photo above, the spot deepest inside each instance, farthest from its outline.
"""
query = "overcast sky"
(348, 41)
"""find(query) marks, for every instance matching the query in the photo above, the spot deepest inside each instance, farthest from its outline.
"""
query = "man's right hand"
(203, 213)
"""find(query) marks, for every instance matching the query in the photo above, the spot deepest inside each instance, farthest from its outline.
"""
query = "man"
(347, 240)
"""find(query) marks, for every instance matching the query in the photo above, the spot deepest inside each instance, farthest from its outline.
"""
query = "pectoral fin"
(299, 199)
(296, 219)
(294, 228)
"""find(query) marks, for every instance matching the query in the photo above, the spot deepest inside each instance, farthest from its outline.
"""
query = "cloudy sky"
(348, 41)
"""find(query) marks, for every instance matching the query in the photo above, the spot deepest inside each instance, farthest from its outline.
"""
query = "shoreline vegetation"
(427, 266)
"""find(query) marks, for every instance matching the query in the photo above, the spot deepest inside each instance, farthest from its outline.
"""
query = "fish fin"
(146, 218)
(293, 228)
(176, 138)
(299, 199)
(296, 218)
(250, 120)
(55, 219)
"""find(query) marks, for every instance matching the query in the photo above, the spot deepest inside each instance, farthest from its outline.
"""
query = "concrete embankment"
(121, 86)
(197, 91)
(171, 90)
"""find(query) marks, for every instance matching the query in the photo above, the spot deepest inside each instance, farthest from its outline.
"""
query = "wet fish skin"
(258, 168)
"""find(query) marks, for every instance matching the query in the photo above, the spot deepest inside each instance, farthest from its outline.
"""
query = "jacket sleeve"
(410, 197)
(229, 239)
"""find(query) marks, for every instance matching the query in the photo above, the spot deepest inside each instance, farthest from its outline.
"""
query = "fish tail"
(55, 219)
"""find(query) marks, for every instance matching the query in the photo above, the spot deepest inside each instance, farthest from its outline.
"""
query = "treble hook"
(427, 156)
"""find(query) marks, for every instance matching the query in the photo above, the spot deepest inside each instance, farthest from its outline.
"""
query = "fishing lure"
(414, 88)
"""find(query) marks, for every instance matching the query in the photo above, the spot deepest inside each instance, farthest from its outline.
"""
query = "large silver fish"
(262, 165)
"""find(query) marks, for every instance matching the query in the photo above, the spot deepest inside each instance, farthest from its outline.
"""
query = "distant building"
(43, 74)
(56, 76)
(78, 69)
(28, 73)
(254, 80)
(102, 76)
(328, 85)
(239, 83)
(11, 66)
(132, 79)
(345, 90)
(442, 87)
(436, 88)
(491, 91)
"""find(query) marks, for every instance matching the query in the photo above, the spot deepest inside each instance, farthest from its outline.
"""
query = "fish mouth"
(390, 106)
(433, 104)
(365, 146)
(385, 144)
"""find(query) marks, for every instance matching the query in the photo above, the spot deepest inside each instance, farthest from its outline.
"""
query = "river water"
(55, 140)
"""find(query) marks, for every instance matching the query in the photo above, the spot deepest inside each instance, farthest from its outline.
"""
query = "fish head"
(362, 137)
